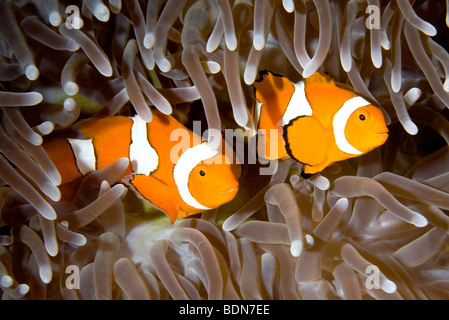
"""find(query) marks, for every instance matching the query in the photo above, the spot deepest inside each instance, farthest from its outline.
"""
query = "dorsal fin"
(270, 86)
(273, 93)
(319, 78)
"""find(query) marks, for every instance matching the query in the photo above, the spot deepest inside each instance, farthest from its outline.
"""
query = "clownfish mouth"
(231, 189)
(380, 138)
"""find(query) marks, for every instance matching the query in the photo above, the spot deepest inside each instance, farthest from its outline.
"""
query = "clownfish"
(314, 121)
(186, 181)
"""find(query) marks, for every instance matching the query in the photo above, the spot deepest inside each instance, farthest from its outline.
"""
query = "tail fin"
(62, 156)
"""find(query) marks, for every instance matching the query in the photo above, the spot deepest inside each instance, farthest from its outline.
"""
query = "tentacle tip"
(107, 71)
(411, 128)
(432, 31)
(231, 43)
(22, 290)
(211, 47)
(310, 240)
(82, 241)
(71, 88)
(46, 276)
(396, 87)
(259, 42)
(309, 70)
(148, 40)
(6, 281)
(54, 177)
(70, 105)
(54, 193)
(52, 248)
(446, 85)
(75, 23)
(249, 77)
(288, 5)
(31, 72)
(344, 202)
(347, 66)
(36, 139)
(296, 248)
(377, 61)
(389, 287)
(49, 214)
(419, 221)
(164, 65)
(45, 128)
(55, 18)
(227, 226)
(101, 12)
(386, 45)
(37, 98)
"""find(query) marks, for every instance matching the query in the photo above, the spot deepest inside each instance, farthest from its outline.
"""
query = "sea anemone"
(374, 227)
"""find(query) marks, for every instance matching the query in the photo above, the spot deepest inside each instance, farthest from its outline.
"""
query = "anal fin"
(155, 191)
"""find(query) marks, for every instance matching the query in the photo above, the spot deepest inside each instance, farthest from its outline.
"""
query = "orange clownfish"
(193, 179)
(314, 121)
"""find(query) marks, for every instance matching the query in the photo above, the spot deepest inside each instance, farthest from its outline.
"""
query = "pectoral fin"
(155, 191)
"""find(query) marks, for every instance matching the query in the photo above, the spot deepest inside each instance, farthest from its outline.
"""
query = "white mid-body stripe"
(187, 161)
(298, 105)
(340, 120)
(144, 158)
(84, 153)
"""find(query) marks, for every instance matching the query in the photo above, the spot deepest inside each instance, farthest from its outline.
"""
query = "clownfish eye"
(202, 173)
(362, 117)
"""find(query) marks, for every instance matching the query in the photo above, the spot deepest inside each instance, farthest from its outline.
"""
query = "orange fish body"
(314, 121)
(179, 177)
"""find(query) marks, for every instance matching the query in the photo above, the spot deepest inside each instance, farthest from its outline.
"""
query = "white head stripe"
(298, 106)
(144, 159)
(84, 152)
(340, 120)
(187, 161)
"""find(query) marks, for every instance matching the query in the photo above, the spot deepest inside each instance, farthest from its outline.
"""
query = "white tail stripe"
(298, 106)
(187, 161)
(84, 152)
(144, 158)
(340, 120)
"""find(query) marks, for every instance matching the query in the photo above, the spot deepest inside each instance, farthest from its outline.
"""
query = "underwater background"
(372, 227)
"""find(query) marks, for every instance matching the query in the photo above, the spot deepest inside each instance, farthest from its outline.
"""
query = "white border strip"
(340, 120)
(83, 150)
(187, 161)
